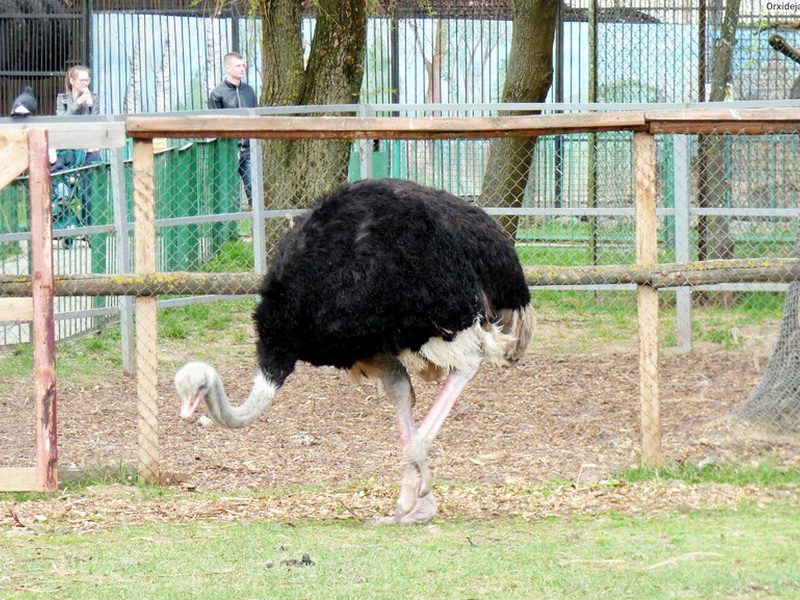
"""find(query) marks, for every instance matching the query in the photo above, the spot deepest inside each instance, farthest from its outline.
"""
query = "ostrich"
(379, 278)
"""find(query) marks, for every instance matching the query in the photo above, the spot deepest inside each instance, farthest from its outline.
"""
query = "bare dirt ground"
(569, 420)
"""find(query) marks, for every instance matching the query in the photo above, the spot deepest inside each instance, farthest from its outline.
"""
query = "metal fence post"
(257, 208)
(683, 239)
(365, 146)
(122, 240)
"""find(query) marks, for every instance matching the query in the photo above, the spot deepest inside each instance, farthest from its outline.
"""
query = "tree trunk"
(776, 400)
(528, 78)
(298, 172)
(714, 237)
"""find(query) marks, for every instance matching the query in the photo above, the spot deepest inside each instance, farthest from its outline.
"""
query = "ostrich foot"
(415, 503)
(415, 483)
(423, 511)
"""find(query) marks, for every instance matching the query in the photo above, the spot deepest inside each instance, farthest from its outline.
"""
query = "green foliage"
(629, 90)
(764, 473)
(235, 255)
(202, 322)
(17, 362)
(97, 354)
(577, 320)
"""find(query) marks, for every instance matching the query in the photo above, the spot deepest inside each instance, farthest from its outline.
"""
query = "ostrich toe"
(416, 480)
(423, 511)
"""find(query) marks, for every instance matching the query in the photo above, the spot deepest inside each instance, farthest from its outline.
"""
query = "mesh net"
(570, 202)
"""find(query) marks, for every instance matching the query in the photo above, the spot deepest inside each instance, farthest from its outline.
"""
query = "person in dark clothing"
(234, 93)
(66, 215)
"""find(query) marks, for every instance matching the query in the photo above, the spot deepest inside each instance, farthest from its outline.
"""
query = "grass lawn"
(748, 552)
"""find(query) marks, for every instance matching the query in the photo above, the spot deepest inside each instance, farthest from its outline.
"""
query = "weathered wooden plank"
(671, 275)
(44, 339)
(754, 121)
(146, 319)
(13, 155)
(742, 121)
(23, 479)
(313, 127)
(667, 275)
(18, 479)
(19, 310)
(73, 133)
(644, 153)
(650, 410)
(724, 127)
(675, 115)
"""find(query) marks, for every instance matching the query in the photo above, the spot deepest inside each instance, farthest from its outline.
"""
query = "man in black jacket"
(234, 93)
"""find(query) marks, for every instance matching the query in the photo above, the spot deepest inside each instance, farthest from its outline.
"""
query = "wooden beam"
(23, 479)
(18, 310)
(146, 320)
(644, 152)
(671, 275)
(693, 120)
(66, 132)
(754, 121)
(80, 133)
(18, 479)
(723, 127)
(741, 115)
(13, 155)
(44, 339)
(314, 127)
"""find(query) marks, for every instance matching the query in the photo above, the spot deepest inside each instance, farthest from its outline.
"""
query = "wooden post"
(44, 339)
(644, 150)
(146, 323)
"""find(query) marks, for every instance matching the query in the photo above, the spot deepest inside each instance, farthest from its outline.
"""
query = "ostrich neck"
(235, 417)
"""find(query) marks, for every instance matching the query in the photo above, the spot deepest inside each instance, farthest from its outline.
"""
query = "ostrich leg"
(416, 481)
(416, 503)
(397, 386)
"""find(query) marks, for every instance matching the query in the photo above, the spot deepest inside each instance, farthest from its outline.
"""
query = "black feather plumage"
(380, 266)
(25, 104)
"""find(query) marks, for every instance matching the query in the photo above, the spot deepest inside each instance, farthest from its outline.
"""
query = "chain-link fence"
(168, 56)
(720, 194)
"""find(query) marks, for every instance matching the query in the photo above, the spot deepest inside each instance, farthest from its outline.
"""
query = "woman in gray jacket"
(78, 99)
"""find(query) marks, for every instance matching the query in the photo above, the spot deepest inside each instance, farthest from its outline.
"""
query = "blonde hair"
(72, 74)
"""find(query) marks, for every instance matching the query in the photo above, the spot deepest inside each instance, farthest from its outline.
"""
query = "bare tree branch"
(778, 24)
(784, 47)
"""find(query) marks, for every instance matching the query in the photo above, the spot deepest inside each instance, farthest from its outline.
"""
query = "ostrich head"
(192, 382)
(197, 381)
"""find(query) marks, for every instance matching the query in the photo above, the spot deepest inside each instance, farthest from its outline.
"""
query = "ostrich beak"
(189, 403)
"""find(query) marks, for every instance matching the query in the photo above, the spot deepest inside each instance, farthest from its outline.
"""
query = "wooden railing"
(646, 273)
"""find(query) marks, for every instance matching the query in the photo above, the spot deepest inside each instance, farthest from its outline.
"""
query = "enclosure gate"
(20, 150)
(25, 146)
(648, 275)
